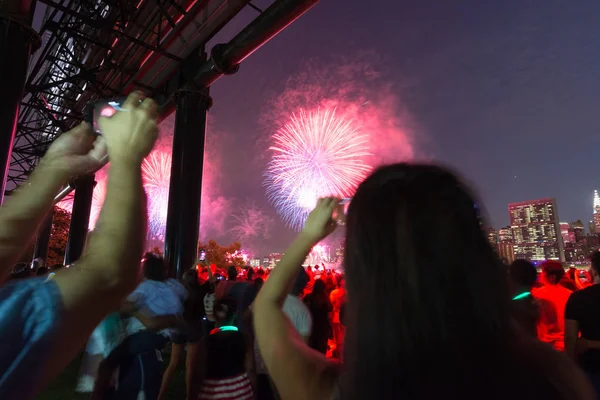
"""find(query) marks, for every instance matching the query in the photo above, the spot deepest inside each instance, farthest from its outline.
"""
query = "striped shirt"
(235, 388)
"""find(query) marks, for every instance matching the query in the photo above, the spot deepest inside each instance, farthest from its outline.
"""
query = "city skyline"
(496, 91)
(591, 217)
(536, 233)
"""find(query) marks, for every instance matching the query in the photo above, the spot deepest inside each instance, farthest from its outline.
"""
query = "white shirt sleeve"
(137, 296)
(304, 323)
(299, 315)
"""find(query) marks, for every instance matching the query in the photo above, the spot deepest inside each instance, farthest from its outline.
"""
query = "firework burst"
(156, 170)
(317, 153)
(353, 121)
(251, 223)
(317, 255)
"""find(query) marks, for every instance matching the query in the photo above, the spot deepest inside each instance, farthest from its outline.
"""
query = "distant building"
(596, 209)
(578, 230)
(574, 253)
(493, 237)
(564, 232)
(506, 251)
(505, 234)
(591, 243)
(273, 259)
(255, 262)
(536, 231)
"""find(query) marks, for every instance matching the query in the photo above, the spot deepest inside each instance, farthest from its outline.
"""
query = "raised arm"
(73, 153)
(297, 370)
(101, 279)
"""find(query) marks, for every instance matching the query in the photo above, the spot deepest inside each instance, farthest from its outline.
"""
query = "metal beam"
(226, 58)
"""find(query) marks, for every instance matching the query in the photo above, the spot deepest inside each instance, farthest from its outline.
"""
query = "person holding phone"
(45, 323)
(428, 312)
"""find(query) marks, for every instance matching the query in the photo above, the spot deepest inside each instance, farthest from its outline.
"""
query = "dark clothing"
(143, 371)
(526, 311)
(190, 332)
(321, 328)
(225, 354)
(568, 283)
(140, 367)
(582, 307)
(264, 388)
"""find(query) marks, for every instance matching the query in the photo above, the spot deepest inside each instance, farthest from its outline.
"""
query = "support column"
(80, 218)
(183, 214)
(17, 42)
(40, 252)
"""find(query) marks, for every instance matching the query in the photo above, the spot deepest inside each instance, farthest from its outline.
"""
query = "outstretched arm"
(297, 370)
(101, 279)
(24, 211)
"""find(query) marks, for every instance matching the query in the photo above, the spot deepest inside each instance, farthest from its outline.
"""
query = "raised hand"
(130, 134)
(76, 152)
(320, 222)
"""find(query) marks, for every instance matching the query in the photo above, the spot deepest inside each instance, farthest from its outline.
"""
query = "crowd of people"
(424, 308)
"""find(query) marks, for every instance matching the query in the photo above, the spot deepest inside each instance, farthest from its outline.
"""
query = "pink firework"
(317, 153)
(97, 202)
(156, 170)
(251, 223)
(353, 121)
(318, 255)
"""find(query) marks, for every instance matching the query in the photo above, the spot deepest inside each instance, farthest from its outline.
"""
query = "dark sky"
(506, 92)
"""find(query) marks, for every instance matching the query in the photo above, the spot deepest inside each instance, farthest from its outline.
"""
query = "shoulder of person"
(178, 287)
(557, 369)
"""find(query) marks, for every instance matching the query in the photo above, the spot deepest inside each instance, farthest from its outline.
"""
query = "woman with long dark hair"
(320, 307)
(187, 336)
(428, 312)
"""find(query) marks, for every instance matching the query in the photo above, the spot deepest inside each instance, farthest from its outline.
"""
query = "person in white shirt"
(155, 296)
(156, 305)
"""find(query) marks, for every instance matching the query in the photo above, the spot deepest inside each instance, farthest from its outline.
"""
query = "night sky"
(504, 92)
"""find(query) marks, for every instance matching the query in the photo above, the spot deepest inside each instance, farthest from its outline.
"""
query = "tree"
(223, 256)
(59, 236)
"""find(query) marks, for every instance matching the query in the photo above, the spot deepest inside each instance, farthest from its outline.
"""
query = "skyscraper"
(564, 232)
(578, 230)
(493, 237)
(596, 220)
(505, 234)
(536, 230)
(506, 251)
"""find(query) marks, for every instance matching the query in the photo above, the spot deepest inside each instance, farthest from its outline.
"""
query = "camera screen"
(105, 108)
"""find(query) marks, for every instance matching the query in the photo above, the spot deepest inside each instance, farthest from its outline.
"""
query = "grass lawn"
(63, 388)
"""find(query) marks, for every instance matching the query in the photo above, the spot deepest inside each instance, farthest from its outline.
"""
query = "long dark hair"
(154, 267)
(318, 296)
(428, 302)
(194, 304)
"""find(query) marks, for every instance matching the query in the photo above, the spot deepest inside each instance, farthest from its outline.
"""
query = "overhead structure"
(96, 49)
(102, 49)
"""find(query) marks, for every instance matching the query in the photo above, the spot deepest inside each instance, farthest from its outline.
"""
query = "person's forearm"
(282, 277)
(120, 232)
(570, 347)
(23, 213)
(98, 282)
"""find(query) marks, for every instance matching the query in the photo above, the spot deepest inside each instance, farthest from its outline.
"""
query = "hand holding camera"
(131, 132)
